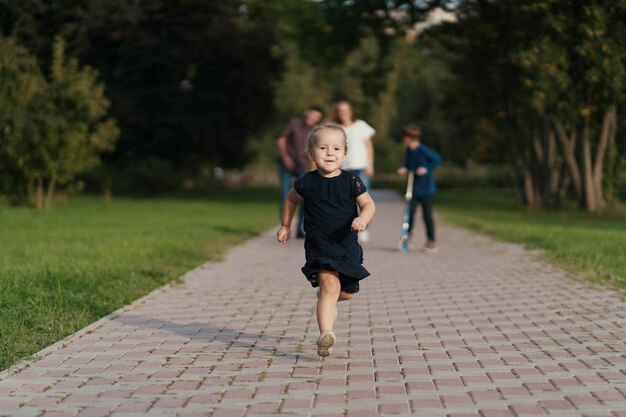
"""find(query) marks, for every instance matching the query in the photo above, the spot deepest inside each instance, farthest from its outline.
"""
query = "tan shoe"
(430, 247)
(325, 343)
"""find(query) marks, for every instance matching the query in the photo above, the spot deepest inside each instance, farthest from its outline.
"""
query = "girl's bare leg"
(330, 289)
(344, 296)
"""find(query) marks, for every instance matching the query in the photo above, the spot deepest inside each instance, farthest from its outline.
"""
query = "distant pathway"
(481, 329)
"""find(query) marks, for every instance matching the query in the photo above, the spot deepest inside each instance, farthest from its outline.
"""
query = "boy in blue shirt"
(421, 160)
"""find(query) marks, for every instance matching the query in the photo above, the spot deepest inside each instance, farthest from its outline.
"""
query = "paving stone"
(483, 328)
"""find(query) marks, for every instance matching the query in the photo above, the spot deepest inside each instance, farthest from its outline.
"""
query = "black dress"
(330, 245)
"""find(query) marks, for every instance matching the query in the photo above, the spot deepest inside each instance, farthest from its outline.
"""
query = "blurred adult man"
(294, 160)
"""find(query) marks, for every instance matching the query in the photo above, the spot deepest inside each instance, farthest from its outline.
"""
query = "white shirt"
(357, 133)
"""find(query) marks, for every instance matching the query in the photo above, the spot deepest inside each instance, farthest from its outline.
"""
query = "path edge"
(35, 357)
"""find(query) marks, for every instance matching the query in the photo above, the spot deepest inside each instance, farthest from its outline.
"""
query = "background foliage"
(534, 86)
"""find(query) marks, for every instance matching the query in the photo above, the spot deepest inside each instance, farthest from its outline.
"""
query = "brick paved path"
(481, 329)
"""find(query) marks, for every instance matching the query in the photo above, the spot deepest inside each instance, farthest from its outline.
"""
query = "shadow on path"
(212, 333)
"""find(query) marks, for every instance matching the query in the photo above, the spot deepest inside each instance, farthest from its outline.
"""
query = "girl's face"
(328, 151)
(344, 114)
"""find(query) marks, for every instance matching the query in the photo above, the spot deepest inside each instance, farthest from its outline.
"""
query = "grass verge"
(592, 243)
(64, 269)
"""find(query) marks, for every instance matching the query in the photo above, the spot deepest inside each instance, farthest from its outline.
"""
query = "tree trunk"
(611, 167)
(529, 189)
(39, 192)
(590, 202)
(568, 146)
(606, 135)
(537, 169)
(538, 148)
(544, 163)
(518, 188)
(50, 193)
(563, 186)
(554, 164)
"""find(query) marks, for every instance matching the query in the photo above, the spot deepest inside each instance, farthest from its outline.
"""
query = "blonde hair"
(311, 140)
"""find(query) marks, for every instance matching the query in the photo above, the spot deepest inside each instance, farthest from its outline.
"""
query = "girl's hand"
(358, 224)
(421, 171)
(282, 234)
(401, 171)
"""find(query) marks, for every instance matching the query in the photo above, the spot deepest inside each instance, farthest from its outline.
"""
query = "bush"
(448, 176)
(474, 176)
(148, 177)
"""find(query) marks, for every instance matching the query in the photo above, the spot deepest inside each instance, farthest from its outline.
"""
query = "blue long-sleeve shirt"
(422, 156)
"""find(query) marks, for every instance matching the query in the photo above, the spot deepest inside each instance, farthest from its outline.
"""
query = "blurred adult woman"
(360, 156)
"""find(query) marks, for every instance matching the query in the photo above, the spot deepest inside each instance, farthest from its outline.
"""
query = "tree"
(576, 77)
(22, 98)
(536, 75)
(299, 87)
(189, 80)
(51, 130)
(77, 128)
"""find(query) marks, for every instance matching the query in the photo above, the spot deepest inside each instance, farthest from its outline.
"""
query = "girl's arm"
(289, 208)
(368, 208)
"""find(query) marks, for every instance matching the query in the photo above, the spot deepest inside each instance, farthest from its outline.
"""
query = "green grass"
(63, 269)
(594, 244)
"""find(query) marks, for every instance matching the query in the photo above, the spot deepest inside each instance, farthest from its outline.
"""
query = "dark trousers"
(426, 202)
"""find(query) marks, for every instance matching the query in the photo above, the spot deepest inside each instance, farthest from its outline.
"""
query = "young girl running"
(333, 255)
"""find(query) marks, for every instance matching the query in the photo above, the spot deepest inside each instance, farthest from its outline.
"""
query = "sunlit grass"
(585, 242)
(63, 269)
